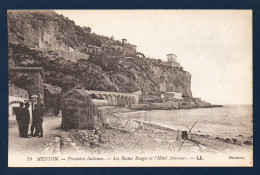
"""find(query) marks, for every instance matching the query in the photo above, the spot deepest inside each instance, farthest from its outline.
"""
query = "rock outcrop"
(40, 38)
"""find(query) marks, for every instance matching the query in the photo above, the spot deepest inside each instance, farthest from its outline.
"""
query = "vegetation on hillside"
(103, 72)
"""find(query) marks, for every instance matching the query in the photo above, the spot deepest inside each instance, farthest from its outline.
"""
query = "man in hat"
(19, 114)
(38, 114)
(25, 119)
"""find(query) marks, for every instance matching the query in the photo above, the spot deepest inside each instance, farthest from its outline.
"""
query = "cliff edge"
(74, 56)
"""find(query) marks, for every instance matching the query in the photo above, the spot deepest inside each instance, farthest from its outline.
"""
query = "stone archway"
(99, 96)
(104, 96)
(114, 100)
(132, 100)
(120, 100)
(93, 96)
(126, 100)
(136, 99)
(109, 100)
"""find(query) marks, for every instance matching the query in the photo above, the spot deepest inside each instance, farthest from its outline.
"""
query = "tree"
(20, 80)
(87, 29)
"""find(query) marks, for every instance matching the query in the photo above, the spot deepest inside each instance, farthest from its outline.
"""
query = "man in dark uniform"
(25, 119)
(39, 112)
(33, 125)
(18, 117)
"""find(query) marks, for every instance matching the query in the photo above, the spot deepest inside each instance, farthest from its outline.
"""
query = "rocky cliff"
(36, 38)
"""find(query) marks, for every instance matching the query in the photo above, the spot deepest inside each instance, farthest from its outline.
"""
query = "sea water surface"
(228, 121)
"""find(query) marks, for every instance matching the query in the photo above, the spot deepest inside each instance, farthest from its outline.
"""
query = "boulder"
(228, 140)
(234, 140)
(248, 142)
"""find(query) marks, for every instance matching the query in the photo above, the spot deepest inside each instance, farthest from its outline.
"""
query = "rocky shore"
(134, 136)
(123, 136)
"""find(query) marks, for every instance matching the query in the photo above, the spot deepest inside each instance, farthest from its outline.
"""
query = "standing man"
(39, 112)
(34, 123)
(25, 119)
(19, 114)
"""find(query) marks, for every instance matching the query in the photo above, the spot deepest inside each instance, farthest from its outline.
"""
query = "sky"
(215, 46)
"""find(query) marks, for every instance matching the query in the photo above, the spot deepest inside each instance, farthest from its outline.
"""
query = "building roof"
(170, 54)
(139, 92)
(172, 92)
(28, 69)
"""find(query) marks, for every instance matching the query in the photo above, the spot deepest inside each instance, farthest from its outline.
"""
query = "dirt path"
(33, 144)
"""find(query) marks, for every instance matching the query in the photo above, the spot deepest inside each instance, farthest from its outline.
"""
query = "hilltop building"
(134, 47)
(124, 41)
(129, 50)
(171, 57)
(140, 55)
(94, 50)
(172, 61)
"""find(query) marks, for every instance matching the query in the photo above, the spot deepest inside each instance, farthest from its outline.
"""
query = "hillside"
(76, 57)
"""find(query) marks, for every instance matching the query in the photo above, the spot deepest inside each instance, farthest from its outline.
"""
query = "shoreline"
(228, 139)
(122, 137)
(162, 106)
(201, 138)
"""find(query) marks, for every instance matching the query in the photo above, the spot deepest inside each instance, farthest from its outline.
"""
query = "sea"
(232, 121)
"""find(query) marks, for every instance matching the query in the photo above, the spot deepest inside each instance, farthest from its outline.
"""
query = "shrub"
(78, 111)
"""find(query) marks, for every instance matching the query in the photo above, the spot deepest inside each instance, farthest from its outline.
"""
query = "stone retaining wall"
(72, 55)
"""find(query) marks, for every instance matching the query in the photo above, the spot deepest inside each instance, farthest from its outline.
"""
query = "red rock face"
(72, 65)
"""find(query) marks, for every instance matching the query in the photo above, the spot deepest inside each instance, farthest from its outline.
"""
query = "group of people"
(23, 119)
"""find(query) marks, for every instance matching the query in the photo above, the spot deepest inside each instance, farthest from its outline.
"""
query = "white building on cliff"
(172, 61)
